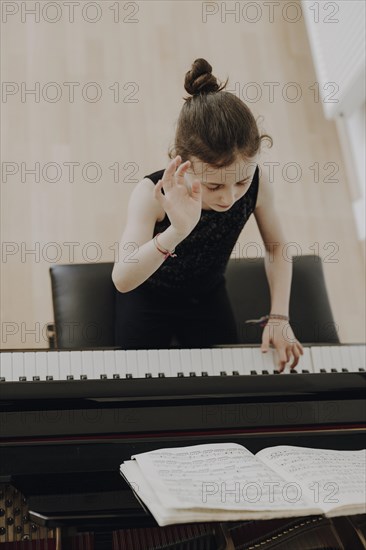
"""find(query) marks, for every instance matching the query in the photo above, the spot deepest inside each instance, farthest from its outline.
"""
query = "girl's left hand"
(280, 334)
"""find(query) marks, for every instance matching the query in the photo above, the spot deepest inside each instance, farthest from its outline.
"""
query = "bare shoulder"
(265, 197)
(142, 197)
(266, 215)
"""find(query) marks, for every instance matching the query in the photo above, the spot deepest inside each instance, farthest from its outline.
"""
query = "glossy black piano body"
(62, 441)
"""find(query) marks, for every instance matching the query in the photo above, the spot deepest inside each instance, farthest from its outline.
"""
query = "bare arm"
(138, 257)
(279, 276)
(278, 268)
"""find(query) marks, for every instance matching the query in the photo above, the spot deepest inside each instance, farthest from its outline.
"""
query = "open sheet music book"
(226, 482)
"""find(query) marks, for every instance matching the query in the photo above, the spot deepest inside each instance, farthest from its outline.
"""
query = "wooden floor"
(148, 53)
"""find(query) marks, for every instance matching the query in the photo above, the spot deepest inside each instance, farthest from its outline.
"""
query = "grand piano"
(69, 418)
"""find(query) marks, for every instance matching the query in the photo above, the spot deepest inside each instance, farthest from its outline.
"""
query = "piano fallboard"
(202, 404)
(68, 419)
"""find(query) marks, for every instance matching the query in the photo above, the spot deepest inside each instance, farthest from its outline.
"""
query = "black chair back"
(83, 298)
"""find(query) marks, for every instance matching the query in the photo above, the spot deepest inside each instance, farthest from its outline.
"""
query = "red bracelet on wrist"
(262, 321)
(166, 253)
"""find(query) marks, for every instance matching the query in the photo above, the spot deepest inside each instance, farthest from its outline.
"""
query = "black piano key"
(223, 373)
(361, 369)
(83, 377)
(2, 378)
(161, 374)
(49, 377)
(103, 377)
(70, 377)
(265, 372)
(305, 371)
(323, 370)
(276, 371)
(235, 373)
(148, 375)
(22, 378)
(253, 372)
(116, 377)
(344, 370)
(129, 376)
(36, 378)
(192, 374)
(180, 375)
(293, 371)
(204, 373)
(333, 370)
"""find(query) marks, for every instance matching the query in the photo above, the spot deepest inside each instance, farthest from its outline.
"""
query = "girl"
(183, 223)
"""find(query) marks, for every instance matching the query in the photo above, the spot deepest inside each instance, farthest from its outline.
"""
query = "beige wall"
(147, 52)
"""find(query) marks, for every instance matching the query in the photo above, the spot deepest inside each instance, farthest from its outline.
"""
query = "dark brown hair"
(213, 125)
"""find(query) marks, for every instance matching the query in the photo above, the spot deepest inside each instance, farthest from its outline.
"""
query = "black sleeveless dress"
(186, 297)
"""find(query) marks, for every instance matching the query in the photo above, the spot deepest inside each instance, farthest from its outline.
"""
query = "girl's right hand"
(182, 206)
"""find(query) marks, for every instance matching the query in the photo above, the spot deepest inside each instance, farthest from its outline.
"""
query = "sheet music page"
(328, 478)
(222, 476)
(168, 516)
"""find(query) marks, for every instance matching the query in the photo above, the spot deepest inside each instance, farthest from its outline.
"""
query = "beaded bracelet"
(264, 320)
(166, 253)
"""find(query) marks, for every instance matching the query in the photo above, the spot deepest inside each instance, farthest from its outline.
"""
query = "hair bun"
(200, 80)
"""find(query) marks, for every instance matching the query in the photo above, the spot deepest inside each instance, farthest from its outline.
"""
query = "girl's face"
(222, 187)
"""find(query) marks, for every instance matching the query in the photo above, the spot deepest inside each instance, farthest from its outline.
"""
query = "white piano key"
(355, 359)
(122, 367)
(142, 364)
(362, 355)
(172, 362)
(153, 363)
(335, 358)
(6, 366)
(131, 364)
(184, 365)
(345, 358)
(164, 362)
(196, 361)
(218, 360)
(317, 358)
(237, 358)
(109, 363)
(76, 364)
(53, 371)
(206, 362)
(326, 358)
(258, 364)
(269, 361)
(87, 365)
(305, 362)
(223, 363)
(228, 362)
(98, 362)
(41, 365)
(177, 361)
(29, 365)
(247, 360)
(65, 365)
(17, 366)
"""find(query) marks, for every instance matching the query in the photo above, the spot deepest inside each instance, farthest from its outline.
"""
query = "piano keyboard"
(65, 365)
